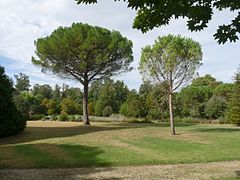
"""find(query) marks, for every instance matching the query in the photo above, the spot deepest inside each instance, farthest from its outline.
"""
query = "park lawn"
(47, 144)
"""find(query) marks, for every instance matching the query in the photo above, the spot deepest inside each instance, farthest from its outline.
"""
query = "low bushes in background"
(36, 117)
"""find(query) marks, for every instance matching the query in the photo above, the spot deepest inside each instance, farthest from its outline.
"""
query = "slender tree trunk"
(85, 105)
(170, 105)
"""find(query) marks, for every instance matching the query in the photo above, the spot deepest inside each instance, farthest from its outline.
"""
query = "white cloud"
(24, 21)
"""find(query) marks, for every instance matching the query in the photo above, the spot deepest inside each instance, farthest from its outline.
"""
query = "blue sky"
(22, 23)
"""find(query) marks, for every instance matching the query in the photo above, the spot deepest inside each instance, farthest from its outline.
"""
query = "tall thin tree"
(173, 60)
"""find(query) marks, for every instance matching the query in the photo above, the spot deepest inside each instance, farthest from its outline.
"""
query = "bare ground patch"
(214, 170)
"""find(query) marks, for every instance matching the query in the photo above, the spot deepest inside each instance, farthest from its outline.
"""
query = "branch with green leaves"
(151, 14)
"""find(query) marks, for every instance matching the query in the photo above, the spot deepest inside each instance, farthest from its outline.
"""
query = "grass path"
(215, 170)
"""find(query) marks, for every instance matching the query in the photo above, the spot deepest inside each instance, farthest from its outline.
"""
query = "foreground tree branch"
(198, 13)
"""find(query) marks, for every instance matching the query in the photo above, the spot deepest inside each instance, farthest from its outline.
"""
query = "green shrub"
(216, 107)
(63, 117)
(133, 106)
(36, 117)
(54, 118)
(153, 114)
(78, 117)
(72, 118)
(69, 106)
(223, 120)
(124, 110)
(107, 111)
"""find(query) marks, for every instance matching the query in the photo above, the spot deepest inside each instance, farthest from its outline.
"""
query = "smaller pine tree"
(11, 121)
(234, 103)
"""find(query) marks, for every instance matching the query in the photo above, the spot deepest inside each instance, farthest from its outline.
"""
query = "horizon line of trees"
(204, 98)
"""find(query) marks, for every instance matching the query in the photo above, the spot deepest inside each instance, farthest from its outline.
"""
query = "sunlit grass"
(68, 144)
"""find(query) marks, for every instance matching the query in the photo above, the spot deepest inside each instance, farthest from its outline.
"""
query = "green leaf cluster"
(153, 13)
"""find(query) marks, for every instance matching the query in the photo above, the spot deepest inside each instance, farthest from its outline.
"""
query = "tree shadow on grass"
(52, 156)
(217, 130)
(33, 133)
(40, 133)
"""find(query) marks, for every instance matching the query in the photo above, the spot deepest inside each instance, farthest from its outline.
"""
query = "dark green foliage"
(193, 100)
(24, 101)
(22, 82)
(94, 90)
(73, 93)
(204, 98)
(157, 103)
(121, 91)
(107, 111)
(133, 107)
(28, 104)
(145, 88)
(177, 106)
(70, 107)
(234, 104)
(109, 93)
(56, 93)
(37, 108)
(206, 80)
(63, 116)
(52, 106)
(124, 109)
(42, 91)
(11, 121)
(224, 90)
(198, 12)
(215, 107)
(107, 97)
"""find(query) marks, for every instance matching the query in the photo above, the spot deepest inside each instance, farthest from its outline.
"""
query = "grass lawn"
(69, 144)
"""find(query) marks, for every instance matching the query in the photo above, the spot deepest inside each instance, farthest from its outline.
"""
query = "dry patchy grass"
(47, 144)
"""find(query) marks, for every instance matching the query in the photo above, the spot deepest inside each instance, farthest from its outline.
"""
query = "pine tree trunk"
(85, 105)
(170, 104)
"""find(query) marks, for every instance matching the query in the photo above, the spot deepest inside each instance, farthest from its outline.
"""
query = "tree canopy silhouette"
(84, 53)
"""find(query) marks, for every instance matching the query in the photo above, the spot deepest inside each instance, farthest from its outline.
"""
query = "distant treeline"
(204, 98)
